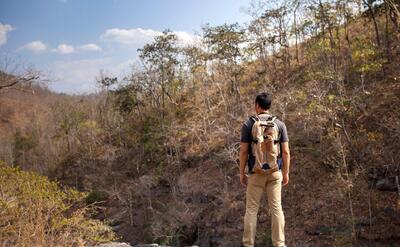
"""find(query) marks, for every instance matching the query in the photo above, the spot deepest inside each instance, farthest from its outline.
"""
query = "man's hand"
(244, 152)
(285, 179)
(286, 163)
(243, 179)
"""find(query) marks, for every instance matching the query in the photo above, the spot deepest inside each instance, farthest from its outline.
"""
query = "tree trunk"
(372, 13)
(331, 41)
(162, 92)
(394, 13)
(295, 32)
(387, 37)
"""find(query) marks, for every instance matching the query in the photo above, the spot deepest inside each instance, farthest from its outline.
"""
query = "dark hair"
(264, 100)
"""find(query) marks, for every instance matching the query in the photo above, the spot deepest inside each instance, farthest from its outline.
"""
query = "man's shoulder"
(282, 129)
(249, 121)
(279, 122)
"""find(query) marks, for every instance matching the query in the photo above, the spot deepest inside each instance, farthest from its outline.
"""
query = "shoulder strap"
(255, 118)
(279, 138)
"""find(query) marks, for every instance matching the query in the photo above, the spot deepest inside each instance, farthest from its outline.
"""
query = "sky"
(70, 41)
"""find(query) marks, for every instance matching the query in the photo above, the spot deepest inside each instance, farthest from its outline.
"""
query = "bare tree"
(14, 75)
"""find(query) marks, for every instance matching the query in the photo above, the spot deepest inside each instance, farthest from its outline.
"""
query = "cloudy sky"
(72, 40)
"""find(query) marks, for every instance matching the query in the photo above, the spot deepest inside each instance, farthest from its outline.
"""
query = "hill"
(158, 150)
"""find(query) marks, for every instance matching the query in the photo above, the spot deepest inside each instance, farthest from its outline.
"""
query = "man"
(257, 183)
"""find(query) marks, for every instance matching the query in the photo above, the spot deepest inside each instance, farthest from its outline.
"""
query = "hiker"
(264, 147)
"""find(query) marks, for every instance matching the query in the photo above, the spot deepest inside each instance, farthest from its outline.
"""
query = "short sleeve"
(246, 132)
(284, 135)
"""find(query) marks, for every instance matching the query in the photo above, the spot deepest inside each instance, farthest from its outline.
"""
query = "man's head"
(263, 102)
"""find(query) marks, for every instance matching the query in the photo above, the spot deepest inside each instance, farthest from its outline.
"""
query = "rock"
(156, 245)
(319, 230)
(327, 230)
(147, 245)
(114, 244)
(387, 184)
(215, 241)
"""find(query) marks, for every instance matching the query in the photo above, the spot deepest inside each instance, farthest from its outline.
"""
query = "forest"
(153, 156)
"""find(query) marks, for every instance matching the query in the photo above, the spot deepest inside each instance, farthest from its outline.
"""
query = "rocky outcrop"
(387, 184)
(116, 244)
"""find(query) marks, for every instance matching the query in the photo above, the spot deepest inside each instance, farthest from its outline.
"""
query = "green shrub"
(96, 196)
(37, 212)
(366, 56)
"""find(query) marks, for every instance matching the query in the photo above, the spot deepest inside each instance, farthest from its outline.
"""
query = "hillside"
(157, 151)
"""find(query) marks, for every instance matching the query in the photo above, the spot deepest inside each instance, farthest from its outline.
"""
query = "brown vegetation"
(160, 146)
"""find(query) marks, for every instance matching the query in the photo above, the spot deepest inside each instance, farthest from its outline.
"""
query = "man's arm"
(244, 152)
(286, 162)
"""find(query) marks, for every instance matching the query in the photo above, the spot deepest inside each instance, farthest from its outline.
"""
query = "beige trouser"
(257, 184)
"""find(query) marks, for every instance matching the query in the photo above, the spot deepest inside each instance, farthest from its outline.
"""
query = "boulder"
(114, 244)
(387, 184)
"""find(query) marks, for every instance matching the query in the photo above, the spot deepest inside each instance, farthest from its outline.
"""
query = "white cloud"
(139, 36)
(64, 49)
(4, 29)
(187, 38)
(34, 46)
(82, 80)
(39, 46)
(129, 36)
(85, 72)
(90, 47)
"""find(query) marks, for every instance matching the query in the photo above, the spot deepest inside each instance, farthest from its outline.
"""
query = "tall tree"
(160, 59)
(224, 43)
(394, 14)
(370, 5)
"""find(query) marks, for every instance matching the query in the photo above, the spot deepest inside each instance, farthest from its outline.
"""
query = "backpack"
(265, 145)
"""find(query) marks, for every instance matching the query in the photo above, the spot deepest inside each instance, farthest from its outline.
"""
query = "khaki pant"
(257, 185)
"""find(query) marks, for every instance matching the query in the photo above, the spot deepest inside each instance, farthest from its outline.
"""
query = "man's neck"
(262, 112)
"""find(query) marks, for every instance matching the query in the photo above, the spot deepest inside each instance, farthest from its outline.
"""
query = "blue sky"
(72, 40)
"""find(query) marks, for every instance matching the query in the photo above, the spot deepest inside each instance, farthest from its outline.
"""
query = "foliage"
(37, 212)
(160, 57)
(366, 55)
(22, 144)
(96, 196)
(224, 41)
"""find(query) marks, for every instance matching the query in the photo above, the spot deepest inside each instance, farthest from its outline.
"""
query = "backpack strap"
(255, 119)
(278, 141)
